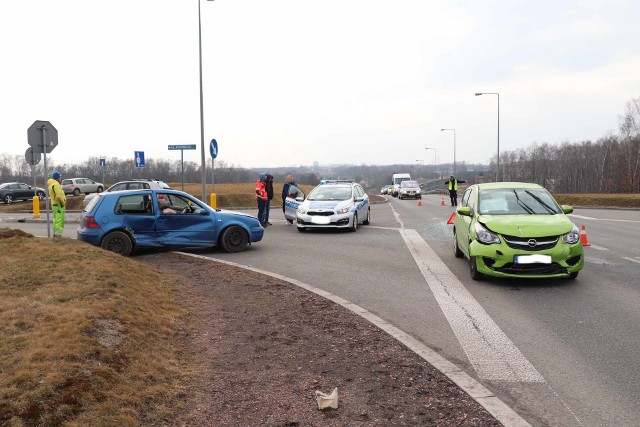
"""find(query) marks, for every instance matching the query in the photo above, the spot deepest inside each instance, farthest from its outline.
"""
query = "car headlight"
(301, 210)
(418, 191)
(343, 210)
(485, 236)
(571, 237)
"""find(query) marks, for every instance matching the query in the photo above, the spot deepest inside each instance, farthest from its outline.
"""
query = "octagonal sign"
(35, 136)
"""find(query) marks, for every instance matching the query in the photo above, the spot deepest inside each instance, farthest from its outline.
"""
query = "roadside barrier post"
(213, 202)
(36, 207)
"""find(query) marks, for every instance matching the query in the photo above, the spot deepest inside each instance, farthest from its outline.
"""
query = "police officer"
(58, 203)
(452, 182)
(262, 197)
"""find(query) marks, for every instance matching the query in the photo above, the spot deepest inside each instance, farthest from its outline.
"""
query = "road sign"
(35, 136)
(213, 148)
(139, 158)
(103, 163)
(32, 157)
(183, 147)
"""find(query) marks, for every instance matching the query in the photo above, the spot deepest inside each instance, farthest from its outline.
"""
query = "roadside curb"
(488, 400)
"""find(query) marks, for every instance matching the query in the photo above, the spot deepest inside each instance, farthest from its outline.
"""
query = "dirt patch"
(7, 233)
(264, 347)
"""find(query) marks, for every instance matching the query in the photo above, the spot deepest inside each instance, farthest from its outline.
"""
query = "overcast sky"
(290, 82)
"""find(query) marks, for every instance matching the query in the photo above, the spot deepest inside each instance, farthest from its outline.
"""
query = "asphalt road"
(558, 352)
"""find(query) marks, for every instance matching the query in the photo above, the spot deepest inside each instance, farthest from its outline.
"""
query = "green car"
(514, 229)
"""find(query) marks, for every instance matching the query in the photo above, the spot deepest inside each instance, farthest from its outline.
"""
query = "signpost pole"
(213, 168)
(182, 168)
(46, 185)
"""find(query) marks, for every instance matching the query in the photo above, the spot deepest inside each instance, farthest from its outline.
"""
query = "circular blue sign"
(213, 148)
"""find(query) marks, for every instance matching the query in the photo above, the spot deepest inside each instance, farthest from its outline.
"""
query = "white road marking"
(632, 259)
(382, 228)
(582, 217)
(489, 350)
(603, 219)
(599, 248)
(397, 216)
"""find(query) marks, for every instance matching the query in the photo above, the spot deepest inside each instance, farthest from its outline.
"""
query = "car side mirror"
(299, 199)
(464, 211)
(359, 199)
(204, 212)
(567, 209)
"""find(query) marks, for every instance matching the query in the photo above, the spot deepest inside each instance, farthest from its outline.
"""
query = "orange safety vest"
(261, 190)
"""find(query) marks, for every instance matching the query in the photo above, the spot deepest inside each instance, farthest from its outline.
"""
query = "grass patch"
(87, 337)
(600, 200)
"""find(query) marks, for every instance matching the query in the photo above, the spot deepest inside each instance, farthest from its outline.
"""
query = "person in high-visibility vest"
(452, 183)
(58, 203)
(262, 198)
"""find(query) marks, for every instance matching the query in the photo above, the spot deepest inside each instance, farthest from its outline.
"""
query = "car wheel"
(572, 276)
(234, 239)
(40, 195)
(301, 229)
(354, 226)
(8, 198)
(456, 249)
(76, 192)
(118, 242)
(473, 269)
(367, 221)
(99, 190)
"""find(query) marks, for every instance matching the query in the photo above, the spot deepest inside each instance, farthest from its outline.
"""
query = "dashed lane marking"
(636, 259)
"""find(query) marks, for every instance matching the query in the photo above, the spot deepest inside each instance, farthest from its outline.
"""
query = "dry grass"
(600, 200)
(87, 337)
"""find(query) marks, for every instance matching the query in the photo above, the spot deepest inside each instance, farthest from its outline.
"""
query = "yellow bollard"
(36, 207)
(213, 202)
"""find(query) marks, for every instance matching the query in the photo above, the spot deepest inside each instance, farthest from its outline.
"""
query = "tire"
(118, 242)
(76, 192)
(456, 249)
(40, 195)
(367, 220)
(99, 189)
(573, 276)
(301, 229)
(8, 199)
(354, 226)
(473, 269)
(234, 239)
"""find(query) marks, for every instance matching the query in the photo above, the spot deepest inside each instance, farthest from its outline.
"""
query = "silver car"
(333, 204)
(409, 189)
(76, 186)
(134, 184)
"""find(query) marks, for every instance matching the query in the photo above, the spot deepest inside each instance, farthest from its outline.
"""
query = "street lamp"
(203, 175)
(498, 158)
(454, 149)
(420, 161)
(435, 161)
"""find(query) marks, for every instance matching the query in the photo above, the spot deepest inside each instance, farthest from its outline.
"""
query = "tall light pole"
(420, 161)
(435, 160)
(203, 175)
(454, 149)
(498, 157)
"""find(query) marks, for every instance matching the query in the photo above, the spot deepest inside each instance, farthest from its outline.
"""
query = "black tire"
(99, 189)
(354, 226)
(76, 192)
(40, 195)
(473, 269)
(301, 229)
(456, 249)
(573, 276)
(234, 239)
(8, 199)
(118, 242)
(367, 220)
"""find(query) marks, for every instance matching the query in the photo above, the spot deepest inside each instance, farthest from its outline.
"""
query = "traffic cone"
(442, 202)
(583, 237)
(419, 202)
(453, 215)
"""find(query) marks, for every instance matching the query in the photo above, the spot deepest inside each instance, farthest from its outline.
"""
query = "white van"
(396, 179)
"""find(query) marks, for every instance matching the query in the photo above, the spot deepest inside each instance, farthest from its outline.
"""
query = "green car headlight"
(485, 236)
(343, 210)
(571, 237)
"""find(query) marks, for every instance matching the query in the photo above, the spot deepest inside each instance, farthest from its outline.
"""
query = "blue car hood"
(527, 225)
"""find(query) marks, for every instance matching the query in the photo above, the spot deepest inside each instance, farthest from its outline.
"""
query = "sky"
(292, 82)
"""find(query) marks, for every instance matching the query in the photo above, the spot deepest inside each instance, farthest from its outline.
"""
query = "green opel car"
(515, 229)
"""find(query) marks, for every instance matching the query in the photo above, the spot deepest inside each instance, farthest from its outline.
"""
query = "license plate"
(532, 259)
(320, 220)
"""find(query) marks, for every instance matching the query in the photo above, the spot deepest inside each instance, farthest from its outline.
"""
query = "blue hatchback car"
(123, 220)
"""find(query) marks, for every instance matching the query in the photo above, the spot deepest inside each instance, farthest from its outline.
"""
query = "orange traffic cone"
(583, 237)
(453, 215)
(419, 202)
(442, 202)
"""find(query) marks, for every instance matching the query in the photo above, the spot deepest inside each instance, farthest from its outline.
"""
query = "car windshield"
(517, 201)
(330, 192)
(409, 184)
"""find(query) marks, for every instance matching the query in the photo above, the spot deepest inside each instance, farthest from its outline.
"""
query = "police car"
(332, 204)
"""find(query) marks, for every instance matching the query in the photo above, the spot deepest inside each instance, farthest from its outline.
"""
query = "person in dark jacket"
(261, 197)
(452, 184)
(285, 192)
(267, 208)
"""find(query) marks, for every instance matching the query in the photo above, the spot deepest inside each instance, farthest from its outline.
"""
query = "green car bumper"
(498, 260)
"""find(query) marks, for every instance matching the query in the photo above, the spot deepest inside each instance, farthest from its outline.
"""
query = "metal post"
(203, 172)
(182, 169)
(213, 168)
(46, 186)
(498, 160)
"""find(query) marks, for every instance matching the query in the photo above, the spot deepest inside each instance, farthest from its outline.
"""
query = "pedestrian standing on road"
(58, 203)
(452, 182)
(285, 192)
(261, 197)
(267, 209)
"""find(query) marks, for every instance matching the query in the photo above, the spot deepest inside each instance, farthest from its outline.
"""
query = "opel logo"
(532, 243)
